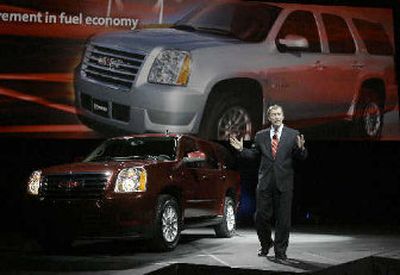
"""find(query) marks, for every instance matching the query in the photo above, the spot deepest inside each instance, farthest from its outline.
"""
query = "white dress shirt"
(278, 132)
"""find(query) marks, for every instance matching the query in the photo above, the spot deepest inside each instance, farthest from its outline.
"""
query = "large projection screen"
(91, 69)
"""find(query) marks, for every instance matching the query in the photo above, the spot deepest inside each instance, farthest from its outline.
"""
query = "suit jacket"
(282, 166)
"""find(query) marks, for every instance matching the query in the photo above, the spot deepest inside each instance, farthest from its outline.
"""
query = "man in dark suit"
(277, 146)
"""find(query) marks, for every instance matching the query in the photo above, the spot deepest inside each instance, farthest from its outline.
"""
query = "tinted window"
(249, 22)
(188, 145)
(135, 148)
(338, 33)
(301, 23)
(226, 156)
(212, 161)
(374, 36)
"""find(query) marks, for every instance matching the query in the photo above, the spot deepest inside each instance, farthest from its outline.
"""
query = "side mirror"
(222, 166)
(293, 42)
(195, 156)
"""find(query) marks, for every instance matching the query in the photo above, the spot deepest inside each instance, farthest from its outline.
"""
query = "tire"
(227, 227)
(368, 121)
(230, 114)
(167, 225)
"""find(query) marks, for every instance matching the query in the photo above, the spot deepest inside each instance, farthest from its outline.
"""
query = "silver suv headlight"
(34, 182)
(171, 67)
(131, 180)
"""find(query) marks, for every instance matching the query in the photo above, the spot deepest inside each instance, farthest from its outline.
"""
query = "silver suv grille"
(111, 66)
(74, 186)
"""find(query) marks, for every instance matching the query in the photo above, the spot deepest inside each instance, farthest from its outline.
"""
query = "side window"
(301, 23)
(374, 36)
(188, 145)
(226, 157)
(212, 161)
(338, 33)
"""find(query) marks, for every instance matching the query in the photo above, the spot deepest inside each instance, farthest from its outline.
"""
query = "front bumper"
(126, 217)
(143, 108)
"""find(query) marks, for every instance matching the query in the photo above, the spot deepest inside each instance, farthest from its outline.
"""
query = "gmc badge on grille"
(68, 185)
(111, 62)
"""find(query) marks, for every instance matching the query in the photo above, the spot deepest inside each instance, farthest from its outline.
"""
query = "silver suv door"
(343, 64)
(296, 80)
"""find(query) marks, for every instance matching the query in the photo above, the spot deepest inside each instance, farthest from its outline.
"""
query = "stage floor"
(311, 249)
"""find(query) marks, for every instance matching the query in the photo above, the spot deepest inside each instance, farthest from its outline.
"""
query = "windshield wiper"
(151, 157)
(184, 27)
(217, 31)
(128, 157)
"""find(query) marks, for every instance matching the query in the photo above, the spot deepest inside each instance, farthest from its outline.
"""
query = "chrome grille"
(74, 186)
(111, 66)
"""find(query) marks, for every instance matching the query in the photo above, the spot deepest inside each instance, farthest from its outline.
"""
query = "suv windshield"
(159, 148)
(248, 22)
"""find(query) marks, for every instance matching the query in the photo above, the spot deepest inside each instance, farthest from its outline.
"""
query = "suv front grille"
(111, 66)
(74, 186)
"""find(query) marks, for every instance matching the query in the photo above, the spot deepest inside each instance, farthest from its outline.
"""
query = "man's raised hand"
(236, 143)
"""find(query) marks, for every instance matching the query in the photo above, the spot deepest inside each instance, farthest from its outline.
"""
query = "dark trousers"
(271, 202)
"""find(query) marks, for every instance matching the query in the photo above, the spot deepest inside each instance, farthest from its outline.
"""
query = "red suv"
(148, 186)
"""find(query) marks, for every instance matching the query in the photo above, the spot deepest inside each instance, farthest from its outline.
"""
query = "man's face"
(276, 117)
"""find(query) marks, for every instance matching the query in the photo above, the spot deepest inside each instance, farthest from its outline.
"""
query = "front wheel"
(167, 224)
(227, 227)
(230, 115)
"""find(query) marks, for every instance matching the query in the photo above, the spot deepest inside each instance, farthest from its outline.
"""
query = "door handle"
(222, 177)
(319, 65)
(357, 65)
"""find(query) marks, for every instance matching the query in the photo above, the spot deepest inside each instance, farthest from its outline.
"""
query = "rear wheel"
(227, 227)
(167, 224)
(369, 115)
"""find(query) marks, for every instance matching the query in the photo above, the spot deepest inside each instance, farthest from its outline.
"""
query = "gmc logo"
(110, 62)
(69, 184)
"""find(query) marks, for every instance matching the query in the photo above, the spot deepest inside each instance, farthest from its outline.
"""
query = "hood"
(148, 39)
(95, 167)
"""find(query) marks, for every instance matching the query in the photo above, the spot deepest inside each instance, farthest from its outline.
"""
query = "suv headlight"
(171, 67)
(34, 182)
(131, 180)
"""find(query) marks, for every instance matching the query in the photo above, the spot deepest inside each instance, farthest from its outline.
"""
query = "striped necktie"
(274, 144)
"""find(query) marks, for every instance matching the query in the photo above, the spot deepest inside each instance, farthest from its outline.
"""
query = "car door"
(197, 178)
(212, 179)
(297, 80)
(343, 65)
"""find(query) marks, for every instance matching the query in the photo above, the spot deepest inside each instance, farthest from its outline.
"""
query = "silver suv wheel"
(235, 121)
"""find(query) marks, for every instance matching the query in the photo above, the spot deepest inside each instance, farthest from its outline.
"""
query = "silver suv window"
(374, 36)
(300, 23)
(340, 39)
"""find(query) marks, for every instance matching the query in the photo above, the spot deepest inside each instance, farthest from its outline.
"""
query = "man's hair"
(273, 107)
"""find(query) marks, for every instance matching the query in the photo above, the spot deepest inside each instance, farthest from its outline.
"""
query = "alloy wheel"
(169, 224)
(372, 119)
(235, 121)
